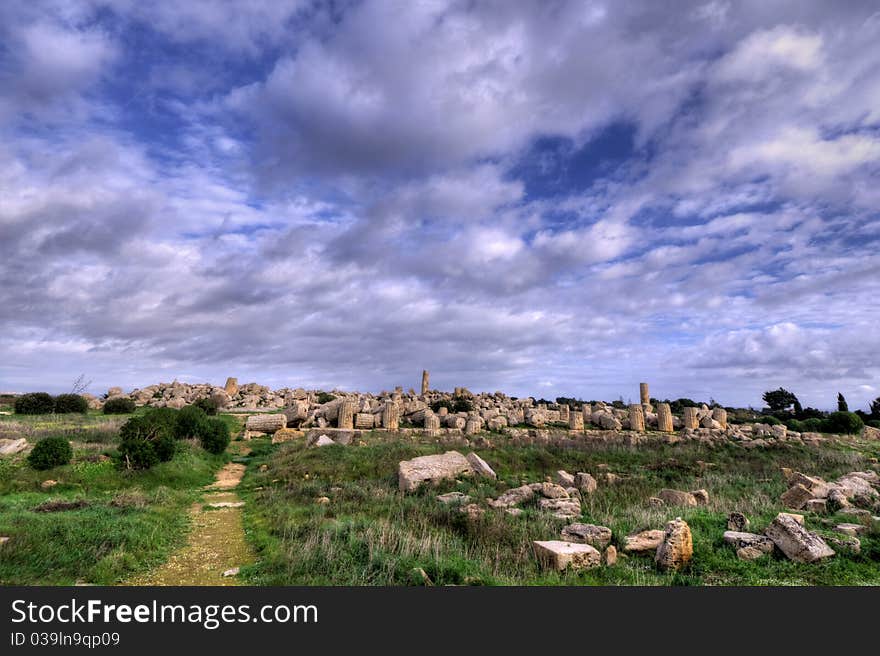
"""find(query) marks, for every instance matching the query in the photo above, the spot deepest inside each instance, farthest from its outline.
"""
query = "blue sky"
(561, 198)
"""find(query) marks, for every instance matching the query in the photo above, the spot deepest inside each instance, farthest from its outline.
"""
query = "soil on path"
(216, 541)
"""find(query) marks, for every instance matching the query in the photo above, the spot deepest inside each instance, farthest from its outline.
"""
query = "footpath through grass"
(371, 534)
(99, 524)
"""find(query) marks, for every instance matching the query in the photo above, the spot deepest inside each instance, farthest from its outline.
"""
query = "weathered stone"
(345, 417)
(644, 394)
(425, 382)
(323, 440)
(552, 491)
(796, 497)
(636, 418)
(795, 541)
(644, 541)
(720, 415)
(432, 422)
(390, 416)
(560, 555)
(564, 478)
(585, 482)
(740, 539)
(453, 497)
(690, 418)
(472, 426)
(749, 553)
(597, 536)
(737, 521)
(576, 421)
(286, 435)
(10, 447)
(48, 484)
(231, 386)
(434, 468)
(473, 511)
(364, 421)
(609, 556)
(664, 418)
(701, 497)
(561, 508)
(851, 529)
(677, 548)
(846, 543)
(480, 466)
(818, 506)
(513, 497)
(677, 498)
(266, 423)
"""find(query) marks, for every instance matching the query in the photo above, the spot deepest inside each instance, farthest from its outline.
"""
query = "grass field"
(119, 522)
(371, 534)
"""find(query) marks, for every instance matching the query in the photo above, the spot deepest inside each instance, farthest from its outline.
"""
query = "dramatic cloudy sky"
(548, 198)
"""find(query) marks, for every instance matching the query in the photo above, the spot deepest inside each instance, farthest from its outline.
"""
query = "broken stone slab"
(10, 447)
(851, 529)
(740, 539)
(232, 572)
(597, 536)
(677, 547)
(818, 506)
(480, 467)
(453, 497)
(323, 440)
(560, 555)
(737, 521)
(226, 504)
(609, 556)
(513, 497)
(644, 541)
(3, 539)
(701, 497)
(552, 491)
(266, 423)
(750, 553)
(846, 543)
(565, 479)
(412, 473)
(561, 508)
(677, 497)
(585, 482)
(286, 435)
(795, 541)
(796, 496)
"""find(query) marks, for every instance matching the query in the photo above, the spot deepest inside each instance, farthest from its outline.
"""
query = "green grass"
(132, 519)
(371, 534)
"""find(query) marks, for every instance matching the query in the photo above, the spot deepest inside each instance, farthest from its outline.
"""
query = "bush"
(795, 425)
(35, 403)
(843, 422)
(769, 419)
(148, 440)
(119, 406)
(812, 425)
(324, 397)
(214, 435)
(874, 423)
(207, 404)
(50, 452)
(188, 421)
(462, 405)
(70, 403)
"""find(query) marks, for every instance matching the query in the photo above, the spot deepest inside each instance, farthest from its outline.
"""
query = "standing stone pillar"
(424, 382)
(690, 418)
(347, 408)
(576, 421)
(636, 418)
(472, 426)
(664, 418)
(390, 416)
(564, 412)
(587, 413)
(720, 415)
(432, 422)
(231, 386)
(644, 394)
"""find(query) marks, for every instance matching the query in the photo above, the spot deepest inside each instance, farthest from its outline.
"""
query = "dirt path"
(216, 542)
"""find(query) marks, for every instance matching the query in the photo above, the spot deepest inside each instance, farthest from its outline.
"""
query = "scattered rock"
(740, 539)
(453, 498)
(585, 482)
(286, 435)
(644, 541)
(561, 508)
(609, 556)
(656, 502)
(553, 491)
(266, 423)
(232, 572)
(513, 497)
(324, 440)
(677, 498)
(701, 497)
(481, 468)
(473, 510)
(798, 518)
(421, 576)
(560, 555)
(846, 543)
(412, 473)
(851, 529)
(677, 548)
(227, 504)
(749, 553)
(795, 541)
(796, 496)
(3, 540)
(10, 447)
(516, 512)
(322, 501)
(597, 536)
(48, 484)
(565, 479)
(818, 506)
(737, 521)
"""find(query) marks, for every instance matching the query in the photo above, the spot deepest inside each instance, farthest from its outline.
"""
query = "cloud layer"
(560, 198)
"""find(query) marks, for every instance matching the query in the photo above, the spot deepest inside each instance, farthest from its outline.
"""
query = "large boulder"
(585, 482)
(677, 497)
(561, 508)
(795, 541)
(513, 497)
(480, 467)
(9, 447)
(560, 555)
(596, 536)
(412, 473)
(677, 547)
(644, 541)
(741, 539)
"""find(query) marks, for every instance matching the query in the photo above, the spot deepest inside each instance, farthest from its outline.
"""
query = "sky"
(549, 199)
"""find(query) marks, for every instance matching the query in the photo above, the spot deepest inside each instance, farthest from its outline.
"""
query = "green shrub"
(35, 403)
(795, 425)
(188, 421)
(147, 440)
(70, 403)
(207, 404)
(119, 406)
(812, 425)
(462, 405)
(769, 419)
(874, 423)
(50, 452)
(843, 422)
(214, 435)
(324, 397)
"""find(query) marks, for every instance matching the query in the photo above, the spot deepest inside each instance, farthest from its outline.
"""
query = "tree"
(875, 408)
(780, 400)
(841, 403)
